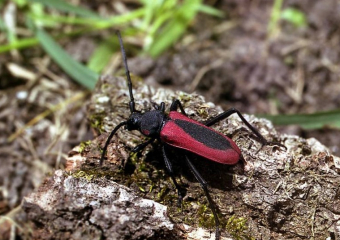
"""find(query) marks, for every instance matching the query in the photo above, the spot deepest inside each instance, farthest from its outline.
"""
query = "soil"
(233, 62)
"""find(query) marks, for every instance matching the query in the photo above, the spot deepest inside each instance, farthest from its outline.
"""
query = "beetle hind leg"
(231, 111)
(204, 186)
(169, 167)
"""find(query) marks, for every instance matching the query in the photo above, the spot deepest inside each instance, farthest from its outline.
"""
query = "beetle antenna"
(109, 139)
(127, 73)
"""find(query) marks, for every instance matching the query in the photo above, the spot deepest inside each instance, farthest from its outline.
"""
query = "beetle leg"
(142, 145)
(177, 104)
(227, 113)
(162, 107)
(204, 186)
(168, 166)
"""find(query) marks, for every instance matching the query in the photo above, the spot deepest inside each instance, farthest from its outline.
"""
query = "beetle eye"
(134, 121)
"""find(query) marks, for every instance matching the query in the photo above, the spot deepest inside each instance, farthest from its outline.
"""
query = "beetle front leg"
(142, 145)
(227, 113)
(177, 104)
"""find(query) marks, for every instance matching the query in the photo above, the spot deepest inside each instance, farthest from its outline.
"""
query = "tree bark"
(272, 194)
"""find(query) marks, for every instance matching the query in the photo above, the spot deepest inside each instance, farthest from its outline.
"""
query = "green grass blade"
(308, 121)
(210, 10)
(19, 44)
(294, 16)
(172, 31)
(74, 69)
(46, 20)
(2, 25)
(119, 20)
(102, 55)
(275, 15)
(66, 7)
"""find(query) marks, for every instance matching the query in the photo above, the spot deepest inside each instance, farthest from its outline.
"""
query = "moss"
(83, 174)
(237, 227)
(93, 173)
(162, 193)
(184, 97)
(134, 158)
(171, 198)
(202, 112)
(96, 121)
(205, 216)
(145, 176)
(83, 145)
(105, 86)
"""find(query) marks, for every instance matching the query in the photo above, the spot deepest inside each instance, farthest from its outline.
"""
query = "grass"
(156, 24)
(292, 15)
(308, 121)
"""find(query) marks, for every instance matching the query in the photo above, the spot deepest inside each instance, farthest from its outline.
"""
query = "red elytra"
(185, 133)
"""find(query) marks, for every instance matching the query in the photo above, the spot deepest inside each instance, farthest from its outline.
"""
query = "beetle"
(177, 130)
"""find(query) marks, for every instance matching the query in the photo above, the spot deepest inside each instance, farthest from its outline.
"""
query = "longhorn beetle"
(177, 130)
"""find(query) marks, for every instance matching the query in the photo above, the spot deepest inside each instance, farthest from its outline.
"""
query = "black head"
(133, 122)
(149, 123)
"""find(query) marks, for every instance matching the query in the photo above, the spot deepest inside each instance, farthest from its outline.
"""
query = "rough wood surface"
(273, 194)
